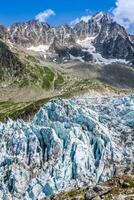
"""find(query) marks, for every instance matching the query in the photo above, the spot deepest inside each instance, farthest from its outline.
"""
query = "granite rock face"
(9, 62)
(28, 33)
(105, 39)
(109, 38)
(69, 144)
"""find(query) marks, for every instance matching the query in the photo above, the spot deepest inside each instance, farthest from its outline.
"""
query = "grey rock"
(123, 183)
(97, 198)
(124, 197)
(31, 33)
(97, 188)
(105, 190)
(110, 39)
(3, 32)
(90, 194)
(102, 190)
(9, 62)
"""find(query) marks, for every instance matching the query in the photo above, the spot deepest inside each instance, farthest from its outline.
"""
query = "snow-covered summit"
(69, 143)
(101, 16)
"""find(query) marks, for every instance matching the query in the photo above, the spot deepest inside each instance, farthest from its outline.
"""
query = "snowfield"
(40, 48)
(69, 144)
(88, 46)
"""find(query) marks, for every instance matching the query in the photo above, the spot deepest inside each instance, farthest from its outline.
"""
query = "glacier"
(68, 144)
(87, 45)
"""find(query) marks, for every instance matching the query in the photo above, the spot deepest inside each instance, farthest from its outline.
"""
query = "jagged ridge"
(107, 39)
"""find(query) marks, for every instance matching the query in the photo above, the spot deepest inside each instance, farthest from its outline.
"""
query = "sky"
(57, 12)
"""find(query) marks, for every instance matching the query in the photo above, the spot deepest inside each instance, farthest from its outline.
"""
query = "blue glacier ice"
(69, 144)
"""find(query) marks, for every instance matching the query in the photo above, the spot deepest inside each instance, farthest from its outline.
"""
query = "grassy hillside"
(27, 109)
(35, 75)
(26, 83)
(17, 69)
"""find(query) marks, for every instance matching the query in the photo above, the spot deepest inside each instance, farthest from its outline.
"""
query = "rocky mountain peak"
(30, 23)
(94, 26)
(101, 34)
(28, 33)
(3, 32)
(100, 16)
(104, 38)
(131, 38)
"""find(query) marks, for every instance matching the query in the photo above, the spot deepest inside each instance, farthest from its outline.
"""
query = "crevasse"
(70, 143)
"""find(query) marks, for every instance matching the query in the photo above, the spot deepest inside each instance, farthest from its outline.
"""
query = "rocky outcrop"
(28, 33)
(97, 192)
(69, 144)
(112, 190)
(115, 45)
(3, 33)
(35, 33)
(10, 64)
(109, 38)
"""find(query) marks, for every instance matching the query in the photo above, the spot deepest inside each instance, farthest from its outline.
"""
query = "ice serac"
(69, 144)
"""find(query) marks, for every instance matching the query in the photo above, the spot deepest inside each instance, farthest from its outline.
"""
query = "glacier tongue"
(69, 143)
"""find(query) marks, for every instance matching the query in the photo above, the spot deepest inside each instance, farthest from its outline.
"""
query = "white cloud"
(43, 16)
(83, 18)
(124, 13)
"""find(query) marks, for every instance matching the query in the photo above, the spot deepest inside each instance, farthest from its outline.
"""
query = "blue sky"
(66, 10)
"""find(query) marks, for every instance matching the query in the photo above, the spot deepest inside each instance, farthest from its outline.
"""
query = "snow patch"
(40, 48)
(88, 46)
